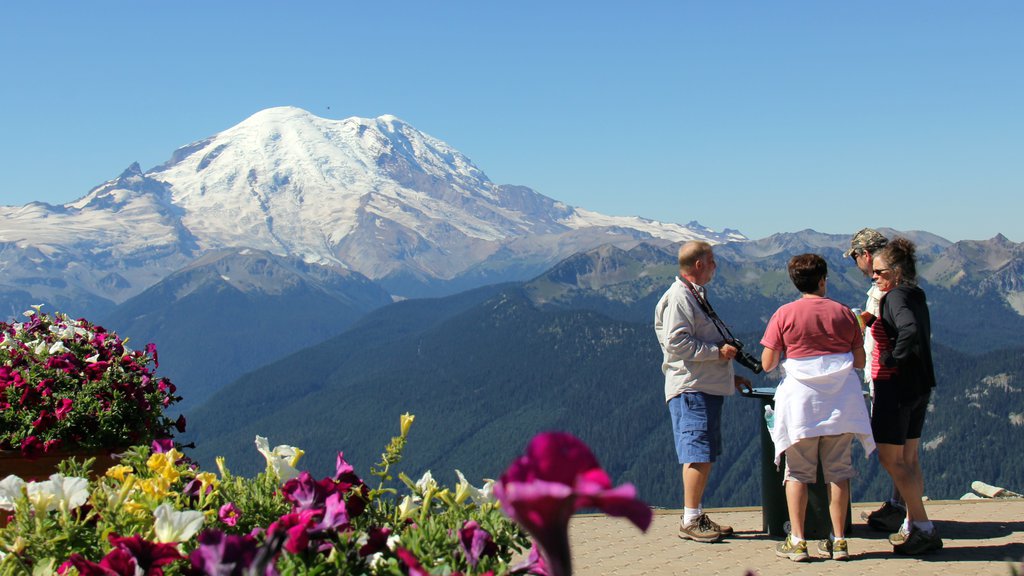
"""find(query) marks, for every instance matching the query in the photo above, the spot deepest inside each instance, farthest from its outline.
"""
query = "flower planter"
(40, 468)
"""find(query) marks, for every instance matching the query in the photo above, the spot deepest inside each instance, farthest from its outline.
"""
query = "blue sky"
(759, 116)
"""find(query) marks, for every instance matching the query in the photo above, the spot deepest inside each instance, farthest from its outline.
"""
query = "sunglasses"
(878, 271)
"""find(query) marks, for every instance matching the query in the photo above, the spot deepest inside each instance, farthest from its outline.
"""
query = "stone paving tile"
(980, 537)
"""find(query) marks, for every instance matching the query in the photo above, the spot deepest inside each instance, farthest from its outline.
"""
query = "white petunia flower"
(172, 526)
(407, 506)
(59, 492)
(426, 482)
(282, 459)
(10, 491)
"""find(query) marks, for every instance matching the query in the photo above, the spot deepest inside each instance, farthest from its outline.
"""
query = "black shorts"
(895, 420)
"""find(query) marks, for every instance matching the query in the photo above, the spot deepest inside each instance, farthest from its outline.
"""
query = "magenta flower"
(229, 514)
(31, 446)
(162, 445)
(304, 493)
(96, 370)
(117, 562)
(557, 476)
(376, 541)
(151, 350)
(411, 562)
(476, 542)
(335, 516)
(220, 554)
(63, 408)
(534, 564)
(149, 556)
(296, 527)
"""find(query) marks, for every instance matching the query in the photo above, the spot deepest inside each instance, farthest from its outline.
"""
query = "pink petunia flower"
(557, 476)
(229, 514)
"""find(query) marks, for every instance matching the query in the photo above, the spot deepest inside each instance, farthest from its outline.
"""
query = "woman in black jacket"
(904, 377)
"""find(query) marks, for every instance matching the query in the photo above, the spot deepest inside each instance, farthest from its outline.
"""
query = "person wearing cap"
(863, 246)
(697, 363)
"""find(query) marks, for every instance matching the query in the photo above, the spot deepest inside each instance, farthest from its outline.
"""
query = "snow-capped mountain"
(372, 195)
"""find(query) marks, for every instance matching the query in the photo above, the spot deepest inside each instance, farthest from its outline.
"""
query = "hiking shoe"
(702, 529)
(725, 530)
(795, 552)
(918, 542)
(888, 518)
(900, 536)
(838, 550)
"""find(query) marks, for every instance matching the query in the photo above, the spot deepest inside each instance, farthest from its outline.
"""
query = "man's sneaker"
(888, 518)
(702, 529)
(795, 552)
(900, 536)
(918, 542)
(838, 550)
(725, 530)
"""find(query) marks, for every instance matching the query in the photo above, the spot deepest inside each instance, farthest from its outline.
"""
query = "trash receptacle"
(774, 512)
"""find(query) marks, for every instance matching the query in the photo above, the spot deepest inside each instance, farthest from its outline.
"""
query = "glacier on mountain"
(372, 195)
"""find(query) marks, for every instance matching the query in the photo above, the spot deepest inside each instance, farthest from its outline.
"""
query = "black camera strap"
(705, 306)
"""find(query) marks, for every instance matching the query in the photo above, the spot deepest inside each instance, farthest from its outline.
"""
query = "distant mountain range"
(485, 370)
(282, 267)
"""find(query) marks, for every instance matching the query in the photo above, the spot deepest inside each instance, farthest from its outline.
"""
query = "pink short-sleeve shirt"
(812, 327)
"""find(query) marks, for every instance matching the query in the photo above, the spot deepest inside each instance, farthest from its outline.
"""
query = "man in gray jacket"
(697, 363)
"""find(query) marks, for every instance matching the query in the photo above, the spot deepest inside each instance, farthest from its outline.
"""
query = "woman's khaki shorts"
(834, 452)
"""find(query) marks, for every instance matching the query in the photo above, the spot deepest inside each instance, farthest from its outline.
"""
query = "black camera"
(746, 360)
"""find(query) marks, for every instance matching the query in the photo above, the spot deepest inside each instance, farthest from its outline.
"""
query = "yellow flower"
(156, 488)
(162, 463)
(221, 466)
(406, 423)
(119, 472)
(207, 479)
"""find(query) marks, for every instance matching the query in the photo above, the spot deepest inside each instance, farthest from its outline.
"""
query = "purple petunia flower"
(162, 445)
(304, 493)
(220, 554)
(557, 476)
(476, 542)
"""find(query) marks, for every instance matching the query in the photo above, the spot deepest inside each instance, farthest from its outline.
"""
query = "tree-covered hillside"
(486, 370)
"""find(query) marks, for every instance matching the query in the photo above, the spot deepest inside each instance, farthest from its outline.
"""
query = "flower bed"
(156, 513)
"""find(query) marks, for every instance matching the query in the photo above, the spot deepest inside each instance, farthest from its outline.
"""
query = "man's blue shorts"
(697, 426)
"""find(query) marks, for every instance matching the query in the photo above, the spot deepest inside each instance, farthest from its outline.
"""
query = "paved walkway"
(979, 536)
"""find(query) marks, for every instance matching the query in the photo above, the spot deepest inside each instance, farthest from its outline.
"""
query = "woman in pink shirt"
(819, 405)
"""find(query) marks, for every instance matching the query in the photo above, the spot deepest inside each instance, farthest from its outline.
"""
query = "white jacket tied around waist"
(820, 396)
